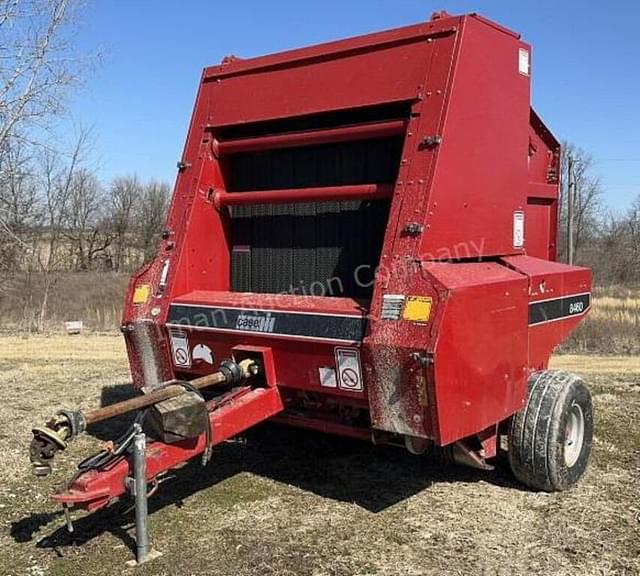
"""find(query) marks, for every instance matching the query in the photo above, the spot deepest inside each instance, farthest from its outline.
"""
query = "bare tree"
(56, 176)
(86, 226)
(151, 216)
(38, 64)
(631, 242)
(586, 201)
(18, 209)
(125, 195)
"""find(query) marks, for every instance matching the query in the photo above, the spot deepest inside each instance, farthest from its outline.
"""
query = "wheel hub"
(574, 435)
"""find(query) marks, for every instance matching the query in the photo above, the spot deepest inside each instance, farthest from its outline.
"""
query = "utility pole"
(571, 184)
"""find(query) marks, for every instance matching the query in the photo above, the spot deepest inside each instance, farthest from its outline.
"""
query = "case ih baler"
(362, 241)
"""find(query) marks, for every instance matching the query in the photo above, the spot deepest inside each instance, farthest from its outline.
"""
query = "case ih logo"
(255, 323)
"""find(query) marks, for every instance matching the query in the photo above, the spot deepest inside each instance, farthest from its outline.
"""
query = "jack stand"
(138, 488)
(67, 518)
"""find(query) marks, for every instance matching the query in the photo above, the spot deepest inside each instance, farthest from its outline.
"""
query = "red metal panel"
(361, 72)
(293, 302)
(544, 153)
(297, 361)
(480, 360)
(397, 394)
(540, 227)
(549, 280)
(481, 171)
(542, 191)
(338, 49)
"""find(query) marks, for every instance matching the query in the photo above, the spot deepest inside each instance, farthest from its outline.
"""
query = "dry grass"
(612, 326)
(597, 364)
(96, 298)
(292, 503)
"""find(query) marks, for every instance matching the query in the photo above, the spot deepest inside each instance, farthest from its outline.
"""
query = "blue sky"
(586, 71)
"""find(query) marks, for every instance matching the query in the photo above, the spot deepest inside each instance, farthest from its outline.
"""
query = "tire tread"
(533, 430)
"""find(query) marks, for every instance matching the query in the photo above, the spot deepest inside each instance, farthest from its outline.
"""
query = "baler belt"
(316, 249)
(311, 248)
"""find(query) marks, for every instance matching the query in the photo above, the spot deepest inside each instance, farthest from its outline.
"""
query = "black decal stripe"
(320, 326)
(558, 308)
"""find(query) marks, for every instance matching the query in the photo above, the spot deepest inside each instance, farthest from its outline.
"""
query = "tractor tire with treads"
(550, 437)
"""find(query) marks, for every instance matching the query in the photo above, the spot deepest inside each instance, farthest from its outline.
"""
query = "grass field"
(285, 502)
(613, 325)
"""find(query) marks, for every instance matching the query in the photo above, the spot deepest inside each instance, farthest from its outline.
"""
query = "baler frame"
(455, 329)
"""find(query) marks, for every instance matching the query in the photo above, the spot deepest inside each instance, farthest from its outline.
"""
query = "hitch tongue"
(53, 437)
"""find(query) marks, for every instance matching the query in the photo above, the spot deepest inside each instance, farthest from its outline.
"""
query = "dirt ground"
(287, 502)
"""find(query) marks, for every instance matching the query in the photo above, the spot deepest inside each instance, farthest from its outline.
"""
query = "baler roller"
(317, 194)
(386, 129)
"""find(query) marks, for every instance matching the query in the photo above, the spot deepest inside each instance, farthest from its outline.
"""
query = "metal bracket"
(421, 358)
(413, 229)
(431, 141)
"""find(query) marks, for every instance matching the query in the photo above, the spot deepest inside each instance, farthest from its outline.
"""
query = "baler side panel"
(541, 228)
(396, 379)
(481, 172)
(464, 191)
(203, 230)
(419, 160)
(182, 265)
(397, 385)
(480, 360)
(550, 282)
(146, 345)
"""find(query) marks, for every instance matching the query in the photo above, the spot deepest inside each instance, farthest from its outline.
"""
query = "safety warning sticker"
(349, 373)
(327, 377)
(180, 348)
(523, 61)
(518, 229)
(202, 352)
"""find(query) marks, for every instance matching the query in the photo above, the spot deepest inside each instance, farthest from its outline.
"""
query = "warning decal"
(327, 377)
(518, 229)
(180, 348)
(523, 61)
(349, 374)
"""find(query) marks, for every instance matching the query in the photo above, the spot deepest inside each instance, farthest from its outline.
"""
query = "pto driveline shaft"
(170, 391)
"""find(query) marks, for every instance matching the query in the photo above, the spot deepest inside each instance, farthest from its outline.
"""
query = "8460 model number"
(576, 307)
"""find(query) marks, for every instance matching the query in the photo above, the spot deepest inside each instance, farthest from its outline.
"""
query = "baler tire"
(550, 437)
